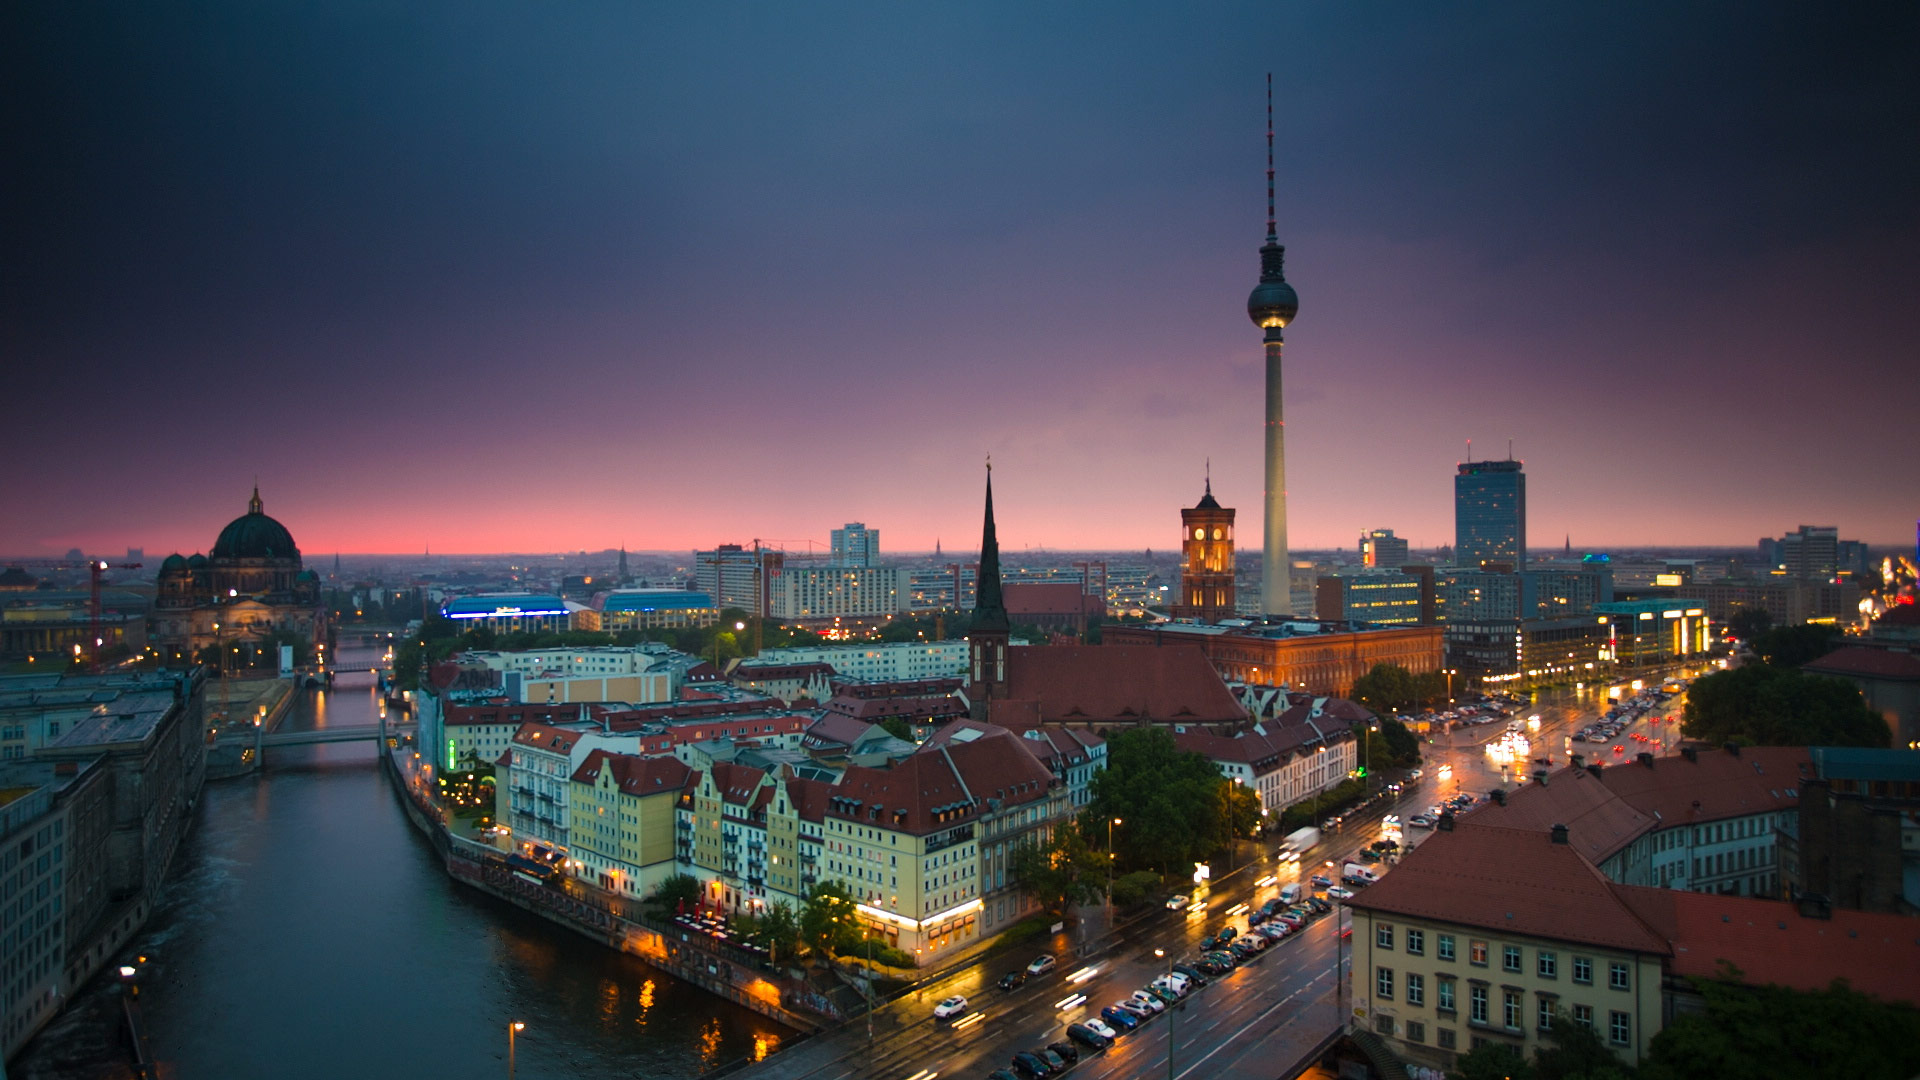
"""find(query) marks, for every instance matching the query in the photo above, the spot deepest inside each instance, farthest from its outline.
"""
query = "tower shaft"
(1276, 590)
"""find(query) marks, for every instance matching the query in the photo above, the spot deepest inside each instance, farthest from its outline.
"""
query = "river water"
(308, 931)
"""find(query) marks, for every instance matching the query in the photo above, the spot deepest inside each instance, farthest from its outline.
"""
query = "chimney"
(1499, 796)
(1540, 777)
(1560, 834)
(1445, 824)
(1815, 906)
(1733, 748)
(1691, 753)
(1594, 768)
(1579, 760)
(1645, 759)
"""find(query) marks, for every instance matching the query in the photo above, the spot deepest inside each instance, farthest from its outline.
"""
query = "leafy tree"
(1574, 1051)
(1403, 747)
(1061, 874)
(680, 890)
(1792, 646)
(778, 928)
(1390, 688)
(898, 727)
(827, 921)
(1492, 1061)
(1786, 1034)
(1168, 800)
(1749, 623)
(1130, 889)
(1763, 705)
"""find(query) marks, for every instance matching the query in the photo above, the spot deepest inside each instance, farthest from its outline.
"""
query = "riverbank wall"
(683, 955)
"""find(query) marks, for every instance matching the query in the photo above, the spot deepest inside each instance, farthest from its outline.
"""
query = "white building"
(838, 592)
(891, 662)
(856, 545)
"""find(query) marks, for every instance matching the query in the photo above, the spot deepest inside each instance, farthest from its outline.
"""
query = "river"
(308, 931)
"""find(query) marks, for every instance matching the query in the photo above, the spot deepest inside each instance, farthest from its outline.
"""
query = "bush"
(1302, 814)
(1135, 887)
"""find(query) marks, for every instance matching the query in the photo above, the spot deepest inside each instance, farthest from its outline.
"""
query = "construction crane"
(96, 574)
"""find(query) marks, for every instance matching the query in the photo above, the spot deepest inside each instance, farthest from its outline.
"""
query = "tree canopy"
(1390, 688)
(1764, 705)
(1170, 802)
(1787, 1034)
(1061, 874)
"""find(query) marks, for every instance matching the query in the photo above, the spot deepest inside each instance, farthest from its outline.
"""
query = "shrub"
(1135, 887)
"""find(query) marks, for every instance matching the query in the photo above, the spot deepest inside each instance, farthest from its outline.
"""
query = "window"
(1416, 942)
(1619, 1028)
(1383, 983)
(1583, 1015)
(1548, 964)
(1383, 1024)
(1446, 1038)
(1445, 1000)
(1477, 1004)
(1510, 1009)
(1383, 935)
(1546, 1014)
(1510, 958)
(1617, 975)
(1477, 953)
(1444, 944)
(1416, 1031)
(1582, 969)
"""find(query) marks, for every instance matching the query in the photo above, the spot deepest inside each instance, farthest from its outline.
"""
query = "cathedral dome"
(196, 561)
(173, 563)
(255, 536)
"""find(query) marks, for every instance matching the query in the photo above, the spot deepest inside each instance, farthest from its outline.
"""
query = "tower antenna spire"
(1209, 474)
(1272, 235)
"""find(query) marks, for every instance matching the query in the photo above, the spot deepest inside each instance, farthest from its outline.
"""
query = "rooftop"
(1113, 684)
(1865, 662)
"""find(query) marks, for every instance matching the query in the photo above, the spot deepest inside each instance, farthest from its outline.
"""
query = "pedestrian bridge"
(357, 733)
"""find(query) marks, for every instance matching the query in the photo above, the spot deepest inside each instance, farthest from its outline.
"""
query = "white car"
(1176, 985)
(1101, 1027)
(1340, 892)
(950, 1008)
(1041, 965)
(1151, 1002)
(1177, 900)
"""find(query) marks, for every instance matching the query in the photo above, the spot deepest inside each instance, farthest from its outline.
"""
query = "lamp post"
(1450, 672)
(1111, 822)
(1172, 1009)
(514, 1028)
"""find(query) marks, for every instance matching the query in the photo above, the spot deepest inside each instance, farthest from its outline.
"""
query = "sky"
(477, 276)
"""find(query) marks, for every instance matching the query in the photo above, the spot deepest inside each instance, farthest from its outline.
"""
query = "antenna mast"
(1271, 234)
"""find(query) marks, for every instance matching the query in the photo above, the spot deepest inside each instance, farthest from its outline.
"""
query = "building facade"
(1300, 655)
(647, 609)
(1206, 563)
(250, 591)
(1380, 548)
(856, 545)
(1374, 597)
(1490, 515)
(817, 593)
(1653, 633)
(738, 577)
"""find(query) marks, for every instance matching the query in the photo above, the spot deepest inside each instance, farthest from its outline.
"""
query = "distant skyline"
(485, 277)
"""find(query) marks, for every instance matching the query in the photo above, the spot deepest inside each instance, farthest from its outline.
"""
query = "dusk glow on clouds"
(505, 278)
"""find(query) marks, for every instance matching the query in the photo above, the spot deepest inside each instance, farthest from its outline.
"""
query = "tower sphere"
(1273, 303)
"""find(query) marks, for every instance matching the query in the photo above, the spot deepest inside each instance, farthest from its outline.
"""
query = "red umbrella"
(680, 906)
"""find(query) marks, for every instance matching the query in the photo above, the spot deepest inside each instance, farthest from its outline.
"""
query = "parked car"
(1139, 1009)
(1002, 1074)
(1120, 1018)
(1340, 892)
(1221, 956)
(1087, 1037)
(1041, 965)
(950, 1008)
(1193, 974)
(1228, 932)
(1211, 967)
(1032, 1065)
(1322, 881)
(1066, 1050)
(1420, 821)
(1148, 999)
(1318, 906)
(1101, 1027)
(1255, 918)
(1053, 1058)
(1164, 992)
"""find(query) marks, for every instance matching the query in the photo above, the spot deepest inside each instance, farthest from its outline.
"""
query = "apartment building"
(622, 810)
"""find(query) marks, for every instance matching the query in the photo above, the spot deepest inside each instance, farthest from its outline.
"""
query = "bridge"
(359, 733)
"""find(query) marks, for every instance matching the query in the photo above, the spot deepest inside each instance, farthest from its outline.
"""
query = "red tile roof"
(1269, 745)
(879, 708)
(467, 715)
(636, 776)
(1714, 786)
(1515, 881)
(1599, 822)
(938, 787)
(1112, 684)
(1770, 942)
(546, 737)
(1031, 598)
(1864, 662)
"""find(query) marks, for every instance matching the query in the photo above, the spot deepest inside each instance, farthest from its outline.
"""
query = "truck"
(1358, 874)
(1300, 840)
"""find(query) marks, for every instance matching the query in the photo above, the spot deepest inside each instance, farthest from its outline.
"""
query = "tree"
(1168, 800)
(1385, 688)
(1763, 705)
(1492, 1061)
(779, 930)
(898, 727)
(1749, 623)
(1787, 1034)
(1402, 745)
(1130, 889)
(1574, 1051)
(1061, 874)
(676, 892)
(1792, 646)
(827, 920)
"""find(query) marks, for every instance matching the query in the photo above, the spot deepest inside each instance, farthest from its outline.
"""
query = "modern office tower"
(1490, 515)
(1812, 551)
(738, 577)
(1272, 305)
(1382, 549)
(856, 545)
(1206, 568)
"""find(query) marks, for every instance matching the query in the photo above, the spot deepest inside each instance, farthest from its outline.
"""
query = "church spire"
(989, 610)
(253, 504)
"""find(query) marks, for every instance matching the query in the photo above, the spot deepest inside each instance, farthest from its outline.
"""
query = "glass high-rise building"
(856, 545)
(1490, 514)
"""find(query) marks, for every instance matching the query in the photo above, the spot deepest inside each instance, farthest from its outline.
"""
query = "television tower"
(1272, 306)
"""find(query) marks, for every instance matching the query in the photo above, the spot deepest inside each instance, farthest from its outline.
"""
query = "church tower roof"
(989, 609)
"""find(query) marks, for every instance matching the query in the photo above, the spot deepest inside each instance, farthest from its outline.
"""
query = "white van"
(1290, 893)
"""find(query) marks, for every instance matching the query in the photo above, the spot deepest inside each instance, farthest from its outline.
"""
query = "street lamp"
(1172, 1009)
(513, 1028)
(1111, 822)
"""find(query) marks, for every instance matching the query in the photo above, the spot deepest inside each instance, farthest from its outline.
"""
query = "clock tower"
(1206, 568)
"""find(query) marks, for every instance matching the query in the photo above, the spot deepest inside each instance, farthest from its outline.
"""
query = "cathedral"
(252, 586)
